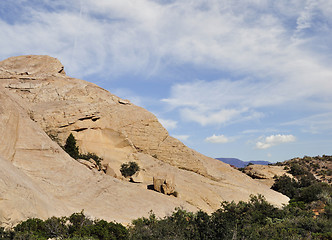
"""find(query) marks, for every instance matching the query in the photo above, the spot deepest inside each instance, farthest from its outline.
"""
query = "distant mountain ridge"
(239, 163)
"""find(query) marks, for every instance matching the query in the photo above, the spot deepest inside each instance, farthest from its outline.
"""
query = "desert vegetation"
(320, 167)
(77, 226)
(305, 190)
(129, 169)
(71, 147)
(73, 150)
(255, 219)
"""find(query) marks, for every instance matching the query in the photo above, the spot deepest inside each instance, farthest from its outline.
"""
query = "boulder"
(164, 183)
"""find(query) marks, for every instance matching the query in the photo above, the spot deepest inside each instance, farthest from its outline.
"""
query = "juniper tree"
(71, 148)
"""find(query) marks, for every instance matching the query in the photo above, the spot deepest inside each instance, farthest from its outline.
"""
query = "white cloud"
(168, 123)
(274, 140)
(252, 131)
(217, 139)
(224, 101)
(206, 118)
(304, 20)
(115, 37)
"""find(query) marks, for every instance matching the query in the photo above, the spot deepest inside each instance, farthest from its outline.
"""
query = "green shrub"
(108, 230)
(255, 219)
(313, 192)
(179, 225)
(129, 169)
(56, 227)
(31, 225)
(243, 220)
(92, 156)
(297, 170)
(5, 234)
(77, 226)
(286, 185)
(71, 148)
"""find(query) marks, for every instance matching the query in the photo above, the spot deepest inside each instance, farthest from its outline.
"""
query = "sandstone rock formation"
(39, 103)
(164, 183)
(110, 171)
(265, 173)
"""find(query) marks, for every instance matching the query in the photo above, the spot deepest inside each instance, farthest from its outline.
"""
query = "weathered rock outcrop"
(164, 183)
(38, 102)
(265, 173)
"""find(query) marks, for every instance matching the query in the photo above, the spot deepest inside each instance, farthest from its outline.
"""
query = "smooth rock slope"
(40, 106)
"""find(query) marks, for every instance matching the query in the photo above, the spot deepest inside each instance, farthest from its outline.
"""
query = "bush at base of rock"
(76, 226)
(88, 156)
(255, 219)
(129, 169)
(73, 150)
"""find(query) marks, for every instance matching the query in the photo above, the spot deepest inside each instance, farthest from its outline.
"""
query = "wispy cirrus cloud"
(274, 140)
(281, 69)
(253, 131)
(210, 117)
(317, 123)
(113, 37)
(218, 139)
(225, 101)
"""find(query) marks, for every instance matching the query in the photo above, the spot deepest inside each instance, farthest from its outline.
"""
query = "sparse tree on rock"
(71, 148)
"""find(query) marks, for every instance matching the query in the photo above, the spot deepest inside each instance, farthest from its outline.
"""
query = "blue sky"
(250, 79)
